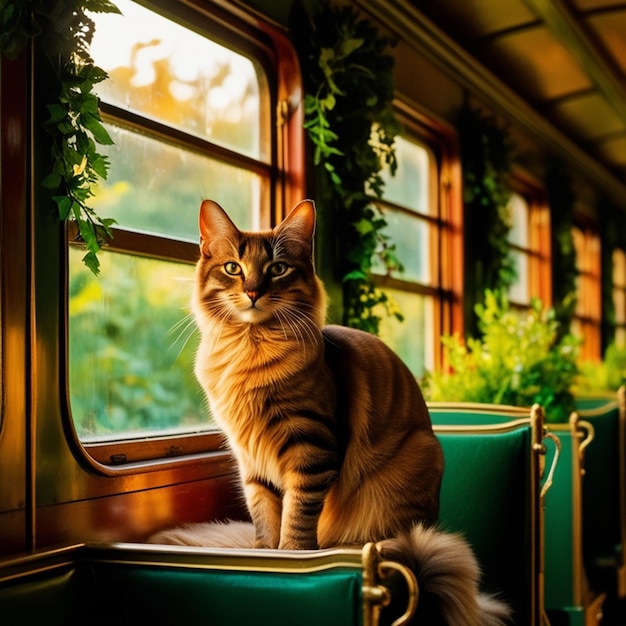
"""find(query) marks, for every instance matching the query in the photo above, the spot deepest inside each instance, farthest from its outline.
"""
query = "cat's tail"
(448, 578)
(445, 567)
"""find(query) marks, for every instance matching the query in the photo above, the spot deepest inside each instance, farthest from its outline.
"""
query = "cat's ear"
(214, 225)
(300, 221)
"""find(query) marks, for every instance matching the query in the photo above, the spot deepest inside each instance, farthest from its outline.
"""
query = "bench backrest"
(604, 488)
(491, 494)
(565, 577)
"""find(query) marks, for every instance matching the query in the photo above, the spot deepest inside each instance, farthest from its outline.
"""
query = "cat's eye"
(278, 269)
(232, 268)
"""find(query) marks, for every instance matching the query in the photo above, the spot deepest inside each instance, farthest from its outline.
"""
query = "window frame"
(285, 175)
(538, 252)
(587, 317)
(619, 288)
(446, 226)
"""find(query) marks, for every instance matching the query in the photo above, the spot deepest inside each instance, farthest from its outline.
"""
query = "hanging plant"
(486, 153)
(63, 33)
(564, 272)
(350, 121)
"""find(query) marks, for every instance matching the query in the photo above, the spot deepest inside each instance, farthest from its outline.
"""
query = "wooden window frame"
(588, 314)
(446, 221)
(538, 252)
(620, 326)
(286, 175)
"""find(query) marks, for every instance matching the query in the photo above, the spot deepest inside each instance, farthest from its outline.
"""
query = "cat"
(329, 428)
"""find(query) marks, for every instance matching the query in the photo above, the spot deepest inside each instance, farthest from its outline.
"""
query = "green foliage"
(486, 153)
(350, 121)
(561, 199)
(519, 361)
(64, 32)
(608, 375)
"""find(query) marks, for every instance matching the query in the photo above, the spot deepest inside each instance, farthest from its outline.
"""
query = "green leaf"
(57, 113)
(99, 132)
(348, 46)
(52, 181)
(355, 275)
(92, 262)
(64, 205)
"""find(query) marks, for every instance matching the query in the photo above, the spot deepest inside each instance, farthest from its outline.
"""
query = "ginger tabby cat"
(329, 428)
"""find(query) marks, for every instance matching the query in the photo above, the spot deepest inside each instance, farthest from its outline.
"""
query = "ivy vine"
(487, 154)
(63, 32)
(561, 199)
(350, 121)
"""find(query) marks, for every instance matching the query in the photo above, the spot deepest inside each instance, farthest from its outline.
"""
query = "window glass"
(519, 214)
(588, 307)
(518, 291)
(154, 186)
(132, 342)
(529, 242)
(410, 235)
(410, 207)
(410, 186)
(518, 238)
(412, 340)
(169, 73)
(189, 118)
(619, 295)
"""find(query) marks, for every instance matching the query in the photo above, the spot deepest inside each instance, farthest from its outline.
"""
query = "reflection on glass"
(410, 234)
(132, 345)
(410, 185)
(412, 338)
(518, 291)
(169, 73)
(155, 187)
(518, 208)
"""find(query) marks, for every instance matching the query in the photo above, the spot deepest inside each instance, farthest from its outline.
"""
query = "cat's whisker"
(186, 330)
(302, 319)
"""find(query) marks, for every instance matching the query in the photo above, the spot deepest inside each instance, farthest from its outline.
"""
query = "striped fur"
(329, 428)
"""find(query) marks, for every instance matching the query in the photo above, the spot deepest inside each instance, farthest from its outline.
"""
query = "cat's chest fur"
(251, 379)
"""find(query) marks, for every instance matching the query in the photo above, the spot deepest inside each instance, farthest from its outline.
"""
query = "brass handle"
(590, 434)
(376, 595)
(413, 590)
(555, 459)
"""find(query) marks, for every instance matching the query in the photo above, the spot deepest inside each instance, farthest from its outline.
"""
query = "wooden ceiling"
(566, 59)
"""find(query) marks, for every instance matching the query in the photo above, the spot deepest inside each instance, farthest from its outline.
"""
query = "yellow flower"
(79, 169)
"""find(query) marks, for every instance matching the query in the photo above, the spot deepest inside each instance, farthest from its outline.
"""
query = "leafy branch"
(350, 121)
(486, 152)
(64, 33)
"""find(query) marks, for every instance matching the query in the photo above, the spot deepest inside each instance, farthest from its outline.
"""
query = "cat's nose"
(253, 295)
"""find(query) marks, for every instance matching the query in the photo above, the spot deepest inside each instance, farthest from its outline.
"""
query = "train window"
(519, 240)
(411, 205)
(188, 107)
(588, 315)
(529, 240)
(619, 295)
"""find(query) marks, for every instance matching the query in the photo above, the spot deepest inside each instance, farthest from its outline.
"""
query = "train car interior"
(466, 160)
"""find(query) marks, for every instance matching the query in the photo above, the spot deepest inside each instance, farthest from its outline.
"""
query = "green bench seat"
(604, 493)
(570, 599)
(491, 494)
(150, 586)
